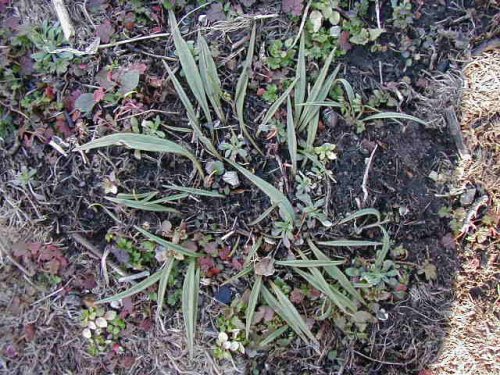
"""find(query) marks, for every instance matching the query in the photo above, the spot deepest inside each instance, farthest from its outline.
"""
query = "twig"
(302, 24)
(63, 15)
(94, 250)
(104, 267)
(377, 12)
(385, 362)
(365, 176)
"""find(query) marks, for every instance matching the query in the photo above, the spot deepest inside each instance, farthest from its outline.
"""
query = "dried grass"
(473, 340)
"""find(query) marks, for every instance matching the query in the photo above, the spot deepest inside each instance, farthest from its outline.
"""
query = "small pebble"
(224, 295)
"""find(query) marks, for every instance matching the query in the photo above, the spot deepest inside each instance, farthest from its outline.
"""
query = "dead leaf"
(29, 332)
(292, 7)
(297, 296)
(265, 267)
(104, 31)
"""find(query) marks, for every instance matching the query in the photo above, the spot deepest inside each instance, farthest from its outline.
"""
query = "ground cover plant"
(231, 185)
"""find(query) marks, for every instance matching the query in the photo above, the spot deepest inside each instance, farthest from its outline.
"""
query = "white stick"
(63, 15)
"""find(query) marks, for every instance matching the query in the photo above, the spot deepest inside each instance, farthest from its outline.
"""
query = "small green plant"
(102, 329)
(271, 94)
(234, 148)
(280, 54)
(47, 39)
(402, 15)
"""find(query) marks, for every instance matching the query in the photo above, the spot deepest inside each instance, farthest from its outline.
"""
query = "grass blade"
(307, 112)
(169, 245)
(141, 205)
(162, 287)
(144, 196)
(194, 191)
(193, 118)
(273, 336)
(211, 81)
(252, 304)
(245, 271)
(361, 213)
(349, 243)
(316, 279)
(291, 136)
(241, 90)
(141, 142)
(252, 252)
(335, 272)
(393, 116)
(139, 287)
(274, 107)
(170, 198)
(348, 90)
(386, 243)
(276, 196)
(301, 76)
(190, 292)
(308, 263)
(287, 311)
(263, 215)
(189, 67)
(329, 103)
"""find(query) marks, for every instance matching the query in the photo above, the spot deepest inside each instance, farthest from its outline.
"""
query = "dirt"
(398, 185)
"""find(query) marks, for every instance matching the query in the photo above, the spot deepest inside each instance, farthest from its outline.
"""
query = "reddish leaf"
(138, 67)
(29, 332)
(104, 31)
(225, 253)
(127, 361)
(215, 13)
(50, 92)
(448, 241)
(344, 41)
(129, 21)
(146, 325)
(206, 263)
(214, 271)
(99, 94)
(211, 249)
(297, 296)
(292, 7)
(261, 91)
(237, 264)
(128, 307)
(10, 351)
(62, 127)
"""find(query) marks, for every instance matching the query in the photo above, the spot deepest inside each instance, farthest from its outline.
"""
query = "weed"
(102, 329)
(280, 56)
(271, 93)
(402, 15)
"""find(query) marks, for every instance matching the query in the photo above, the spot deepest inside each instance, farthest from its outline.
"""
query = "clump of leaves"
(102, 330)
(402, 15)
(280, 54)
(48, 39)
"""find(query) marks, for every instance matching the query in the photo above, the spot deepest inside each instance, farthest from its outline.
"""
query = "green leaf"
(139, 287)
(141, 142)
(309, 263)
(210, 78)
(361, 213)
(129, 81)
(85, 103)
(169, 245)
(189, 67)
(162, 287)
(349, 243)
(316, 279)
(291, 136)
(301, 76)
(276, 196)
(252, 304)
(194, 191)
(241, 90)
(386, 243)
(348, 89)
(193, 118)
(287, 311)
(190, 292)
(275, 106)
(273, 336)
(141, 205)
(393, 116)
(335, 272)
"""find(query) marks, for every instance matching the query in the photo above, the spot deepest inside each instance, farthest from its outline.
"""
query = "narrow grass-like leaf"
(139, 287)
(170, 198)
(275, 106)
(386, 244)
(210, 78)
(276, 196)
(316, 279)
(162, 287)
(194, 191)
(169, 245)
(309, 263)
(328, 103)
(190, 292)
(140, 205)
(361, 213)
(273, 336)
(241, 90)
(287, 311)
(348, 90)
(349, 243)
(141, 142)
(263, 215)
(308, 112)
(301, 76)
(291, 136)
(191, 113)
(189, 67)
(252, 304)
(335, 272)
(142, 196)
(312, 129)
(245, 271)
(393, 116)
